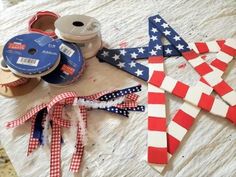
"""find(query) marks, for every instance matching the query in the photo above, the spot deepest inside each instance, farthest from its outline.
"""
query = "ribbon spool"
(70, 67)
(82, 30)
(12, 85)
(31, 55)
(43, 22)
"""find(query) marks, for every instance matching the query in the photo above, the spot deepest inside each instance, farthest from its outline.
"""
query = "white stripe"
(193, 95)
(197, 61)
(217, 71)
(224, 57)
(230, 97)
(219, 108)
(169, 84)
(231, 43)
(156, 67)
(157, 139)
(176, 130)
(204, 87)
(213, 46)
(190, 109)
(157, 110)
(212, 78)
(152, 88)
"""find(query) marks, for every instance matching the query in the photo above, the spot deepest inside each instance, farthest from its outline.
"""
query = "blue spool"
(31, 55)
(70, 66)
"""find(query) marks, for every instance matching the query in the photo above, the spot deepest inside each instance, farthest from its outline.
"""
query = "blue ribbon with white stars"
(114, 58)
(121, 93)
(155, 46)
(140, 52)
(170, 34)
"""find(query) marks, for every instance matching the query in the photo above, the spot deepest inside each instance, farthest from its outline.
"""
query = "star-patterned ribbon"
(53, 111)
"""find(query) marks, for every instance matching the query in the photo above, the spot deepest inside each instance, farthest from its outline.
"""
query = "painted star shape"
(168, 51)
(134, 55)
(165, 25)
(105, 53)
(157, 20)
(180, 47)
(166, 32)
(176, 38)
(141, 50)
(121, 65)
(154, 38)
(139, 72)
(157, 47)
(132, 64)
(154, 30)
(153, 52)
(116, 57)
(123, 52)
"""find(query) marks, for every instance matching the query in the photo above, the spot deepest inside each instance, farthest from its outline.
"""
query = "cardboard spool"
(6, 76)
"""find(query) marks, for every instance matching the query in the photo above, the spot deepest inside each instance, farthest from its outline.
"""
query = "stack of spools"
(40, 54)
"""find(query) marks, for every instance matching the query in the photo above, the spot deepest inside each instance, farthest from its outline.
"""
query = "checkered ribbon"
(16, 83)
(53, 111)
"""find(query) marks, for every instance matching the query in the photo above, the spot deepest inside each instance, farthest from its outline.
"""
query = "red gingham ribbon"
(54, 109)
(17, 83)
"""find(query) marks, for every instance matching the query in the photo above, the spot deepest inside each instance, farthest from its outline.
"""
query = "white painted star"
(168, 51)
(139, 72)
(116, 57)
(154, 38)
(180, 47)
(157, 20)
(157, 47)
(141, 50)
(123, 52)
(166, 32)
(105, 53)
(154, 30)
(153, 52)
(134, 55)
(121, 65)
(132, 64)
(176, 38)
(165, 25)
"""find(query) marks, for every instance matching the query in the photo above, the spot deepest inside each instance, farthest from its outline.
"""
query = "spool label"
(66, 50)
(31, 54)
(27, 61)
(16, 46)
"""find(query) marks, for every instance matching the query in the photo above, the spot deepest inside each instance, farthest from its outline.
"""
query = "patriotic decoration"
(197, 97)
(50, 115)
(157, 137)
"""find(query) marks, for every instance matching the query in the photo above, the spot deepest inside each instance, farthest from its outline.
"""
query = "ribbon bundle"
(51, 115)
(163, 140)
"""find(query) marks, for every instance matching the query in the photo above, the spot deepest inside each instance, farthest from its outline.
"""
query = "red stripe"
(172, 143)
(157, 78)
(156, 98)
(220, 42)
(157, 155)
(206, 102)
(203, 69)
(189, 55)
(180, 89)
(202, 47)
(222, 88)
(157, 124)
(156, 59)
(219, 64)
(229, 50)
(231, 114)
(183, 119)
